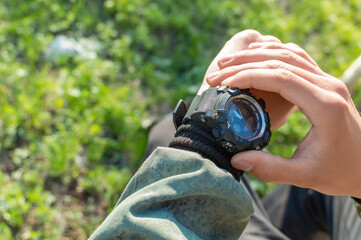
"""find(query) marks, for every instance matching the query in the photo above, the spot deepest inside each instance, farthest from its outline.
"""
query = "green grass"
(72, 130)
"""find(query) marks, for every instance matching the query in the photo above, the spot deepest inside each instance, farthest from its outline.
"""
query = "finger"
(271, 168)
(216, 78)
(307, 96)
(238, 42)
(269, 38)
(289, 46)
(260, 55)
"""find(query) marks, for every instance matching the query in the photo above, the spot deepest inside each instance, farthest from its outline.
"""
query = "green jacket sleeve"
(177, 194)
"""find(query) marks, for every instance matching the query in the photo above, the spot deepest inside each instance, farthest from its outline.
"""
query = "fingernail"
(213, 75)
(225, 59)
(242, 165)
(254, 45)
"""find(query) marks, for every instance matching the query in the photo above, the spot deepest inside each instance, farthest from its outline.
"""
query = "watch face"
(245, 117)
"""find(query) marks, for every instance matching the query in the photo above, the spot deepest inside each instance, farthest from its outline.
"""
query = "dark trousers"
(288, 212)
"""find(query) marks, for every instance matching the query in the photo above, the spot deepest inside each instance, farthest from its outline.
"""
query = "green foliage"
(71, 130)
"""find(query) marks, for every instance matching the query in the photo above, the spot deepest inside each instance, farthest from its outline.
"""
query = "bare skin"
(277, 106)
(286, 77)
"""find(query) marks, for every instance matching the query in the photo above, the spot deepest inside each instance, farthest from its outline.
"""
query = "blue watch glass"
(245, 117)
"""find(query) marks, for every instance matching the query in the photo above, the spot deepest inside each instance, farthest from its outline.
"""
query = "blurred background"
(82, 81)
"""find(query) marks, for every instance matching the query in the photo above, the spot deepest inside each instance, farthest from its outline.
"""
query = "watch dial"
(245, 117)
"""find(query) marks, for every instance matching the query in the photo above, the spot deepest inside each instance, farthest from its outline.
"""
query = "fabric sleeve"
(177, 194)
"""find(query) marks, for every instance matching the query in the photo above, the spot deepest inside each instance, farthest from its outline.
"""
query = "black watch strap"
(201, 103)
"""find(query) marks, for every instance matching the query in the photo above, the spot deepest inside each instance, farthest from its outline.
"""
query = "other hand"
(278, 107)
(329, 158)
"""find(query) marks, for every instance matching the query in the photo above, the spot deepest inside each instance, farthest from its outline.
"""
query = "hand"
(329, 158)
(278, 108)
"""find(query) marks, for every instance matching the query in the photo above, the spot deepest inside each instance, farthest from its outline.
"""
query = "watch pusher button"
(234, 91)
(222, 89)
(216, 132)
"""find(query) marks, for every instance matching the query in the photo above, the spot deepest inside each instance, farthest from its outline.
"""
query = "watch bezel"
(228, 138)
(210, 108)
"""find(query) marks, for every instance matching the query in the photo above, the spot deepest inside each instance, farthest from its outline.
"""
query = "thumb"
(269, 167)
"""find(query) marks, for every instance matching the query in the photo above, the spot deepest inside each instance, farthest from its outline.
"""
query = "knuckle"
(232, 69)
(229, 71)
(341, 88)
(339, 105)
(297, 49)
(274, 64)
(250, 33)
(248, 36)
(293, 46)
(284, 74)
(287, 54)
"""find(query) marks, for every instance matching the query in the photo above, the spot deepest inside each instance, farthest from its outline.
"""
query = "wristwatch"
(219, 123)
(237, 119)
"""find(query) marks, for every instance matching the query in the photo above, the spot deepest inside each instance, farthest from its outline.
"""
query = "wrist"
(197, 137)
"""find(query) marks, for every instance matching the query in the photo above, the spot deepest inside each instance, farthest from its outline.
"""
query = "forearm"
(179, 194)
